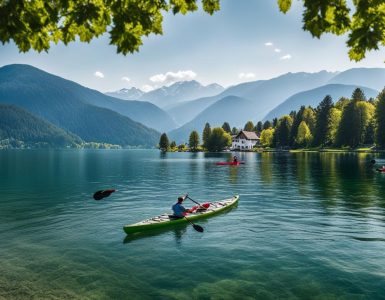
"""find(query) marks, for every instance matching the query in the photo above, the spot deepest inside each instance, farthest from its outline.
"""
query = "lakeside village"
(355, 124)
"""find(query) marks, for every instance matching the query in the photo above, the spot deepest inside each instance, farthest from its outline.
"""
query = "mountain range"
(167, 97)
(93, 116)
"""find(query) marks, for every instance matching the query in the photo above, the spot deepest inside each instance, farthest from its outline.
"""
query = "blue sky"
(246, 40)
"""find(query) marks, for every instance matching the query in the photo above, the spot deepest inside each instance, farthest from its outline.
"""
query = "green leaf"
(284, 5)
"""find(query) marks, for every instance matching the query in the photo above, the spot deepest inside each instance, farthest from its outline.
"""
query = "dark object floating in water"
(99, 195)
(373, 161)
(381, 170)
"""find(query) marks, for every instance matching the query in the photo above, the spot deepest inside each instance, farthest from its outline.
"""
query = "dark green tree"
(249, 126)
(322, 121)
(219, 139)
(173, 144)
(283, 131)
(267, 125)
(348, 134)
(259, 127)
(206, 135)
(380, 118)
(234, 131)
(163, 142)
(358, 95)
(193, 141)
(226, 127)
(294, 129)
(275, 122)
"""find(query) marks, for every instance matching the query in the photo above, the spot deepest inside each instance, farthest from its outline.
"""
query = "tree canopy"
(35, 24)
(364, 25)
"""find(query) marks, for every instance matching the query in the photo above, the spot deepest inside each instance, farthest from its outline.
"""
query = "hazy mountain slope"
(185, 111)
(64, 104)
(167, 96)
(373, 78)
(314, 97)
(267, 94)
(17, 123)
(225, 110)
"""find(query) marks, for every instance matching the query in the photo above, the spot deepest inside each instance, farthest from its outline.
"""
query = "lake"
(307, 226)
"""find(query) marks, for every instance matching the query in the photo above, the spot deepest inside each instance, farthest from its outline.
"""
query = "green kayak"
(167, 219)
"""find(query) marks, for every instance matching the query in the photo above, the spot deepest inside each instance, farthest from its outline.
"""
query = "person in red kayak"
(179, 210)
(235, 159)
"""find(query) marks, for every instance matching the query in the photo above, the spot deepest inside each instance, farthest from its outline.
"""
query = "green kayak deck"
(166, 219)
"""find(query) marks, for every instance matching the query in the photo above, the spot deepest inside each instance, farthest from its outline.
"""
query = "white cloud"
(171, 77)
(277, 50)
(246, 75)
(99, 74)
(147, 88)
(268, 44)
(126, 79)
(287, 56)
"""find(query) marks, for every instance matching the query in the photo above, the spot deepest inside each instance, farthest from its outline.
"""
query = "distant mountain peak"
(127, 93)
(167, 96)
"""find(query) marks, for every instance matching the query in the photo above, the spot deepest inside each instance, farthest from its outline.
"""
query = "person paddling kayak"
(235, 159)
(179, 210)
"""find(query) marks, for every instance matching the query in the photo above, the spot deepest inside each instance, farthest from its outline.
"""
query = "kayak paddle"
(102, 194)
(196, 227)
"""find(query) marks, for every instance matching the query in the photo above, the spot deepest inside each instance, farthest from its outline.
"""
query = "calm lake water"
(307, 226)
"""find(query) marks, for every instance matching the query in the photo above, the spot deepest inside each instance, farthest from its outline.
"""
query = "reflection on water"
(178, 231)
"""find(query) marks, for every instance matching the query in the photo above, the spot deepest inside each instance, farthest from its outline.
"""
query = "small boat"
(230, 163)
(167, 219)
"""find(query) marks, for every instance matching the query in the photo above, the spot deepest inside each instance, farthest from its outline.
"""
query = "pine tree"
(206, 135)
(259, 127)
(163, 142)
(194, 141)
(267, 125)
(358, 95)
(234, 131)
(249, 126)
(322, 121)
(226, 127)
(294, 129)
(380, 120)
(283, 131)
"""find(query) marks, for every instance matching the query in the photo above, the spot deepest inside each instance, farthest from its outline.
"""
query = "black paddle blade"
(102, 194)
(198, 228)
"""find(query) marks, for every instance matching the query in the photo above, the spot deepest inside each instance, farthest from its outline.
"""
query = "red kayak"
(230, 163)
(382, 170)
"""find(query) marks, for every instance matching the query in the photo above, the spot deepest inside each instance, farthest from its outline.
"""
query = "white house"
(245, 140)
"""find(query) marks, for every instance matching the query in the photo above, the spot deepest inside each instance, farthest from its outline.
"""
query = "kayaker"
(235, 159)
(178, 208)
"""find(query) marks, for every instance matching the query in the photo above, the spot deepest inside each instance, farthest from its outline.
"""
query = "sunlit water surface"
(307, 226)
